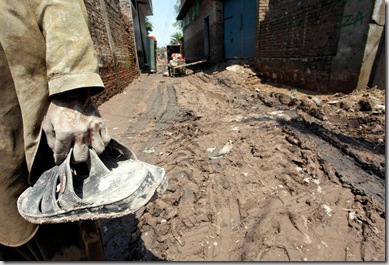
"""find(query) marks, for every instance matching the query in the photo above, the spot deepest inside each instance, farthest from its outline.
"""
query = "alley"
(255, 172)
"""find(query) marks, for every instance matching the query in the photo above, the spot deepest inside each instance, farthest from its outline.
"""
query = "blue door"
(239, 28)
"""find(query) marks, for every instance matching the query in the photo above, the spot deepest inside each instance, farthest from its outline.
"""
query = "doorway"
(239, 28)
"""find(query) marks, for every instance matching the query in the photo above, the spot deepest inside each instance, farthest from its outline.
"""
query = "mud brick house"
(117, 32)
(320, 45)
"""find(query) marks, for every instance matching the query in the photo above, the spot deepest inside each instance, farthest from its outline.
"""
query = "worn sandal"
(112, 185)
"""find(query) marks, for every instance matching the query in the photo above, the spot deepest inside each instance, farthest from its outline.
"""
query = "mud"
(303, 181)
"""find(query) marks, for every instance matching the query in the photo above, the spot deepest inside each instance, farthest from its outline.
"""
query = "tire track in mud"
(342, 171)
(222, 237)
(296, 217)
(348, 172)
(364, 177)
(122, 236)
(280, 205)
(183, 175)
(151, 126)
(272, 197)
(219, 234)
(162, 107)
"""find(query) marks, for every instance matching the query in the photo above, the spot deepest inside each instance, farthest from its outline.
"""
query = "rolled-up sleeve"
(71, 59)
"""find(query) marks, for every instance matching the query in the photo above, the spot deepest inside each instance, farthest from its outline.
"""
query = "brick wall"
(320, 45)
(216, 22)
(133, 70)
(111, 30)
(296, 41)
(194, 32)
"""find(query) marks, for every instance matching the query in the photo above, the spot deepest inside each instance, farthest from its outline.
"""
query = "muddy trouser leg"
(70, 241)
(76, 241)
(14, 230)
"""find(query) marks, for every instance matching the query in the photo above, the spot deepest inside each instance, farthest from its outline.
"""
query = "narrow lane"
(280, 193)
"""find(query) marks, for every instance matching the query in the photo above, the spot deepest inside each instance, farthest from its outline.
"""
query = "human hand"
(72, 118)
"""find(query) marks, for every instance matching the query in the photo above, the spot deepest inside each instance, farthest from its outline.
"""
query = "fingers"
(97, 141)
(59, 145)
(49, 131)
(65, 126)
(80, 150)
(105, 135)
(100, 137)
(97, 138)
(61, 149)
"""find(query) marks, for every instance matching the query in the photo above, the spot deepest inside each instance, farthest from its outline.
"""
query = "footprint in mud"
(271, 237)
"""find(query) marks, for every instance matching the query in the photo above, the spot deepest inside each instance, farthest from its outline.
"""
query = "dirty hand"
(73, 118)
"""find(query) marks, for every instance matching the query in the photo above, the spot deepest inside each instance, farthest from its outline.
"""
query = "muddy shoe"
(111, 185)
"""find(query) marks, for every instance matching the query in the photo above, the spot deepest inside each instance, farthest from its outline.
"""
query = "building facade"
(217, 29)
(319, 45)
(116, 34)
(203, 29)
(141, 9)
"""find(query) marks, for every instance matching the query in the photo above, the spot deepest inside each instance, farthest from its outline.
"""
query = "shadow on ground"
(122, 240)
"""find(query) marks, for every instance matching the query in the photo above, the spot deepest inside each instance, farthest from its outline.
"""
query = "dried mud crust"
(303, 181)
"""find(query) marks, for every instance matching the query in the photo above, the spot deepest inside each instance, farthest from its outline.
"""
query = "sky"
(162, 20)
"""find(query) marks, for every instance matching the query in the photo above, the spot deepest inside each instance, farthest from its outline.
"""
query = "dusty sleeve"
(71, 60)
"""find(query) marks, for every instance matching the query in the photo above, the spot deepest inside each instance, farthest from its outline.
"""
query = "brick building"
(321, 45)
(141, 9)
(114, 33)
(203, 22)
(216, 29)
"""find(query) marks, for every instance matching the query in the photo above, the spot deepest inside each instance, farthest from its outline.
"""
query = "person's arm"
(72, 72)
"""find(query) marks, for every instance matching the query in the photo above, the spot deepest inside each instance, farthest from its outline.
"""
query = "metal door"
(151, 60)
(239, 28)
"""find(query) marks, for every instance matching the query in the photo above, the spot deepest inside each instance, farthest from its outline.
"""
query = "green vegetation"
(149, 26)
(178, 36)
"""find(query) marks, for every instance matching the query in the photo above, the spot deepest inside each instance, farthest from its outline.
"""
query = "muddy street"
(256, 173)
